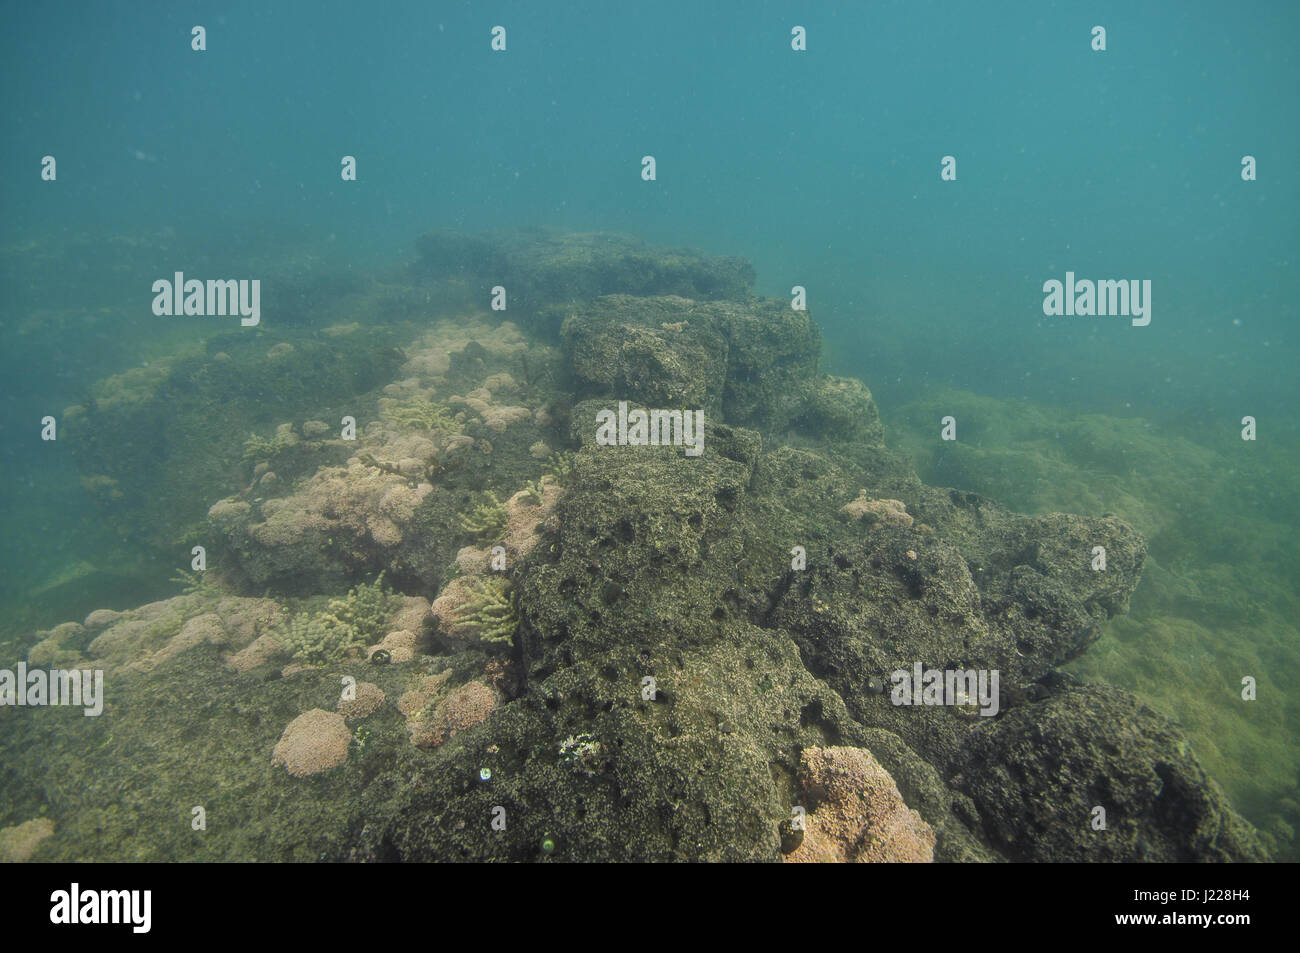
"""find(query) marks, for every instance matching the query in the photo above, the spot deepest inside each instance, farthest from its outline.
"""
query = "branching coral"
(258, 449)
(530, 514)
(490, 612)
(366, 608)
(415, 413)
(562, 467)
(193, 584)
(488, 519)
(347, 626)
(317, 638)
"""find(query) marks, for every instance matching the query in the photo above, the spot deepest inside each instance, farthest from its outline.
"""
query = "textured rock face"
(1039, 774)
(713, 634)
(543, 267)
(664, 352)
(1018, 598)
(752, 363)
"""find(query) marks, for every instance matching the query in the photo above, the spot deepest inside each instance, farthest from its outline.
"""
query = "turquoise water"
(822, 167)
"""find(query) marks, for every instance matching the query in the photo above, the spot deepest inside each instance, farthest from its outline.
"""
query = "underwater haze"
(933, 275)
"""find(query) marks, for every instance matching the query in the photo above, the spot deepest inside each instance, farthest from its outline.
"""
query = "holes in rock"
(811, 714)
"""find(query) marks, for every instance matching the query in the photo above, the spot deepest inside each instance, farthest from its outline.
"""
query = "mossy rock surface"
(691, 624)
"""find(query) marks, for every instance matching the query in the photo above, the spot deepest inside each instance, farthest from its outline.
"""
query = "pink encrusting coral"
(365, 700)
(360, 508)
(497, 417)
(430, 358)
(459, 709)
(141, 639)
(356, 501)
(434, 711)
(404, 630)
(855, 812)
(313, 742)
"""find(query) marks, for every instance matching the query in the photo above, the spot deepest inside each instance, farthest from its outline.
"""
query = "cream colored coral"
(857, 813)
(403, 630)
(423, 689)
(313, 742)
(879, 512)
(462, 708)
(18, 843)
(368, 698)
(457, 593)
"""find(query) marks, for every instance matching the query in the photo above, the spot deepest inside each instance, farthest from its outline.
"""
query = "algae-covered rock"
(1039, 774)
(538, 267)
(154, 452)
(643, 653)
(752, 360)
(839, 409)
(664, 352)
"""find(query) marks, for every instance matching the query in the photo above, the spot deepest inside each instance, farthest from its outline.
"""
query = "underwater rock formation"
(154, 454)
(542, 267)
(675, 649)
(1039, 774)
(752, 363)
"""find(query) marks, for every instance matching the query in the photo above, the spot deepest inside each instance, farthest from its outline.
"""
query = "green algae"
(1217, 602)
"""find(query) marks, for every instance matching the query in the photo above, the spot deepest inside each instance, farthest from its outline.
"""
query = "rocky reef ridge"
(626, 652)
